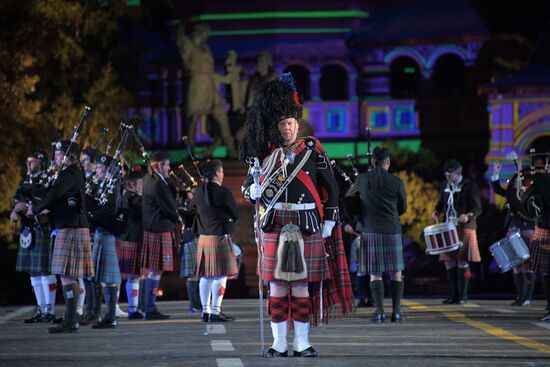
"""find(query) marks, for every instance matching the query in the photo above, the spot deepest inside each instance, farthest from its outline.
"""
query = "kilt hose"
(36, 258)
(215, 257)
(128, 254)
(105, 259)
(72, 254)
(189, 259)
(469, 252)
(314, 250)
(156, 253)
(384, 252)
(539, 247)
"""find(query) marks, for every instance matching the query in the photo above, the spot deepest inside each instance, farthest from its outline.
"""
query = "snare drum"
(509, 252)
(441, 238)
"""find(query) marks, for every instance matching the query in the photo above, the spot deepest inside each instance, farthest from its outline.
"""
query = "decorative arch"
(444, 50)
(406, 52)
(532, 126)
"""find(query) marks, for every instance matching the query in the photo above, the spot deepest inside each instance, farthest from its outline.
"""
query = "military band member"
(459, 202)
(71, 257)
(33, 254)
(298, 230)
(159, 219)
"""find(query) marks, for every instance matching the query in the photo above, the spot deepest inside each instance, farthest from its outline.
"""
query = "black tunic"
(216, 215)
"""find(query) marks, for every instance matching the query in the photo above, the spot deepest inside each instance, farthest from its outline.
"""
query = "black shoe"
(545, 318)
(228, 318)
(64, 327)
(369, 303)
(57, 320)
(204, 317)
(463, 301)
(88, 319)
(451, 301)
(155, 315)
(378, 318)
(106, 323)
(517, 302)
(309, 352)
(361, 303)
(217, 318)
(48, 317)
(527, 303)
(137, 315)
(37, 317)
(396, 317)
(272, 353)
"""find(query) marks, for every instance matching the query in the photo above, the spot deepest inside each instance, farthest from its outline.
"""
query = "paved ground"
(484, 333)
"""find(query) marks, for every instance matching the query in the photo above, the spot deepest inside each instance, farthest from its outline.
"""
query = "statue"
(264, 73)
(203, 98)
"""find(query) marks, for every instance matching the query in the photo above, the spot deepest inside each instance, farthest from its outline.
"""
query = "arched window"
(448, 76)
(541, 145)
(405, 78)
(301, 77)
(334, 83)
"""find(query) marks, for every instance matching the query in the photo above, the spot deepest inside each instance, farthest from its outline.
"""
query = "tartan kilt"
(72, 254)
(384, 252)
(128, 254)
(156, 252)
(469, 252)
(36, 258)
(314, 249)
(539, 247)
(105, 259)
(189, 259)
(215, 257)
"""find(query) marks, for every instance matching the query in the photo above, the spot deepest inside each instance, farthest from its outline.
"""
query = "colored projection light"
(247, 32)
(409, 70)
(282, 14)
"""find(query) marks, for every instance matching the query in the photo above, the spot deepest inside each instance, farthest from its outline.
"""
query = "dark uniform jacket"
(466, 200)
(133, 222)
(317, 168)
(216, 209)
(65, 199)
(158, 205)
(383, 200)
(540, 192)
(29, 191)
(515, 215)
(104, 215)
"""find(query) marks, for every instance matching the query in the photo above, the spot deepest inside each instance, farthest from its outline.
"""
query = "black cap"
(105, 160)
(209, 168)
(136, 173)
(38, 154)
(451, 165)
(160, 156)
(92, 153)
(380, 153)
(63, 145)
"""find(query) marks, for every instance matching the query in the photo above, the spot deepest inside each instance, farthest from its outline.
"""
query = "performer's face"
(59, 154)
(33, 165)
(453, 176)
(289, 130)
(164, 168)
(86, 162)
(101, 171)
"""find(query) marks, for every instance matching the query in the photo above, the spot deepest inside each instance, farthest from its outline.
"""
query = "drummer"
(517, 221)
(459, 202)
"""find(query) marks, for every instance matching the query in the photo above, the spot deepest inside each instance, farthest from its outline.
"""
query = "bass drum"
(516, 207)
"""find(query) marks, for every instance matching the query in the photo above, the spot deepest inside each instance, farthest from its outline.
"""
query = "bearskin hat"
(275, 101)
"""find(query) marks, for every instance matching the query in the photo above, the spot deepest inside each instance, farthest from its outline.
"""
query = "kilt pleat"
(72, 255)
(539, 247)
(36, 258)
(156, 253)
(469, 252)
(128, 254)
(189, 259)
(105, 258)
(314, 250)
(215, 257)
(384, 252)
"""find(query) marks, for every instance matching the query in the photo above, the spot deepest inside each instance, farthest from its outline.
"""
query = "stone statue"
(203, 98)
(263, 74)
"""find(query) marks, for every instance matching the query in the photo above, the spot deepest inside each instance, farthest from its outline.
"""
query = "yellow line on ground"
(489, 329)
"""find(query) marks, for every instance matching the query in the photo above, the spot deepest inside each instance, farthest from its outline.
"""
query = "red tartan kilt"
(72, 253)
(469, 252)
(539, 247)
(215, 257)
(156, 253)
(314, 250)
(128, 255)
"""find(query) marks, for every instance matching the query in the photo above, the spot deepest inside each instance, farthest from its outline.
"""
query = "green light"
(245, 32)
(342, 149)
(282, 14)
(409, 70)
(133, 2)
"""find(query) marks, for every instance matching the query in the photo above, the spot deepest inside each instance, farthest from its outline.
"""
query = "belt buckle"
(287, 206)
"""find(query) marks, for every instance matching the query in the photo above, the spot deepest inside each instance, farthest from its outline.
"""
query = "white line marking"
(501, 310)
(472, 305)
(16, 313)
(229, 362)
(545, 325)
(215, 329)
(222, 345)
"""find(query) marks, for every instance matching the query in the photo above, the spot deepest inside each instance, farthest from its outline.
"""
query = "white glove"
(255, 191)
(328, 225)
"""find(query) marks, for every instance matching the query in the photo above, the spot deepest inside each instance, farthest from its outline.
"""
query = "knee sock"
(132, 292)
(377, 289)
(278, 308)
(396, 288)
(82, 298)
(151, 288)
(300, 308)
(218, 291)
(205, 289)
(38, 290)
(49, 286)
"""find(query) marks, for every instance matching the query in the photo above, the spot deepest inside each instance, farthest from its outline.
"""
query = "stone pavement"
(483, 333)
